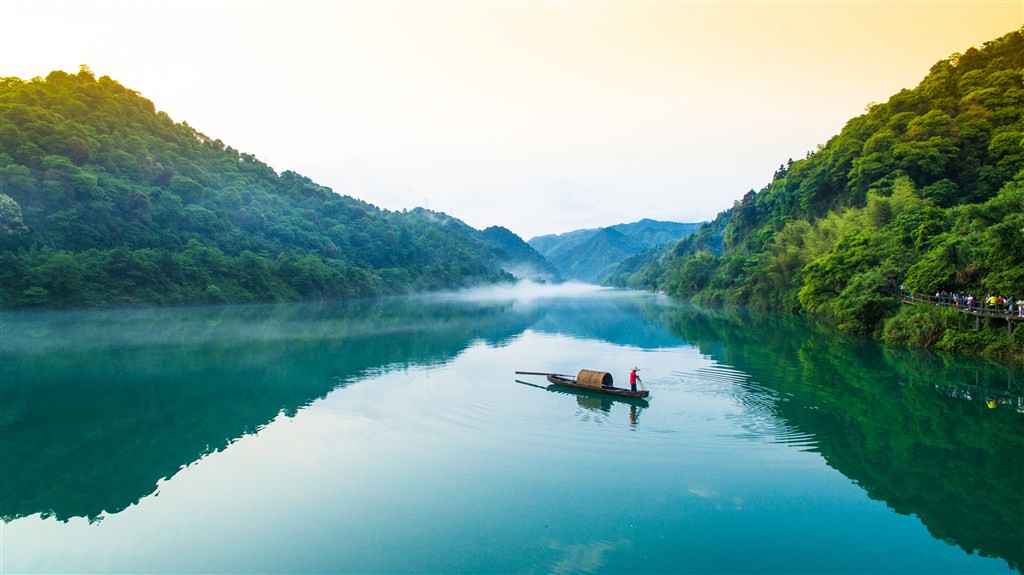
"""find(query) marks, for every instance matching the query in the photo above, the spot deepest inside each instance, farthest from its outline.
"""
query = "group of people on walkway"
(991, 302)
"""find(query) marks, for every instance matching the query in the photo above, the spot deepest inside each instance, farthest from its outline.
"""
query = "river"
(392, 436)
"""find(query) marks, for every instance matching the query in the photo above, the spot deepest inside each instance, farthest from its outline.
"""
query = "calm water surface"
(392, 436)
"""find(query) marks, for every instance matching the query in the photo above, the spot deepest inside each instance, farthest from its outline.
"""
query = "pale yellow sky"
(539, 116)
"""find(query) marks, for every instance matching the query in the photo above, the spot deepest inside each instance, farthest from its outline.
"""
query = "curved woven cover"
(594, 378)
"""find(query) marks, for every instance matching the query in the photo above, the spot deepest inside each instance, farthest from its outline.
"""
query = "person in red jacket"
(633, 378)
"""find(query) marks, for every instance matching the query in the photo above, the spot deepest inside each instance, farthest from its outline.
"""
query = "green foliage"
(826, 277)
(108, 202)
(937, 269)
(947, 330)
(925, 190)
(864, 303)
(920, 326)
(696, 273)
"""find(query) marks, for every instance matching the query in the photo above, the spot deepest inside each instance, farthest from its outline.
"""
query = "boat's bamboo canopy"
(594, 378)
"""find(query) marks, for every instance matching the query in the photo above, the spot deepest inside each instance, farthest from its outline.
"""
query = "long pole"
(530, 384)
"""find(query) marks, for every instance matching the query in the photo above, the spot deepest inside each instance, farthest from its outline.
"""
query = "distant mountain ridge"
(590, 254)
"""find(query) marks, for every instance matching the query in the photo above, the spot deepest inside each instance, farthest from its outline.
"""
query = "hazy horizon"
(539, 117)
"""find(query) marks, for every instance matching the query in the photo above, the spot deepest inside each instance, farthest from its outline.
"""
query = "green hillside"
(106, 201)
(590, 255)
(925, 190)
(650, 233)
(589, 258)
(521, 260)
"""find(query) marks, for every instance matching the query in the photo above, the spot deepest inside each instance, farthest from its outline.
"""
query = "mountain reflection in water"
(128, 398)
(98, 408)
(892, 420)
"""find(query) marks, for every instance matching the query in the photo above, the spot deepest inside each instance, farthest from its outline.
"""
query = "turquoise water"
(392, 436)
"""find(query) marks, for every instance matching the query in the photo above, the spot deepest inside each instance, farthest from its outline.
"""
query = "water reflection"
(995, 394)
(126, 399)
(933, 436)
(98, 408)
(585, 557)
(596, 402)
(628, 321)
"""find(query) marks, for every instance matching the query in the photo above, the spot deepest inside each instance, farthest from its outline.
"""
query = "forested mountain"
(589, 255)
(644, 268)
(106, 201)
(650, 233)
(925, 190)
(521, 260)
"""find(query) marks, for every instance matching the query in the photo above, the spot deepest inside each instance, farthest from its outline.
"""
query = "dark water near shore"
(391, 436)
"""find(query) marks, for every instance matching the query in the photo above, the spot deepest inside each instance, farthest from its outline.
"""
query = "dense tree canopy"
(925, 190)
(107, 201)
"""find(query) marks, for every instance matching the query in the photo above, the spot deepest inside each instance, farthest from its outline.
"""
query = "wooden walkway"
(979, 310)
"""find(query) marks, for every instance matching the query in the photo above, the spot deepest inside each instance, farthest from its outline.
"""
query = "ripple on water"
(503, 415)
(706, 408)
(756, 410)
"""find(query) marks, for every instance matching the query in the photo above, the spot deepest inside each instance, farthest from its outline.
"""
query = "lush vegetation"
(106, 201)
(925, 190)
(590, 255)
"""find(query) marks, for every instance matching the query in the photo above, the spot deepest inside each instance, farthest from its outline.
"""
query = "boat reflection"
(594, 401)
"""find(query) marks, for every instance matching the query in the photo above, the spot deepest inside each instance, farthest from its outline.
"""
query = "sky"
(542, 117)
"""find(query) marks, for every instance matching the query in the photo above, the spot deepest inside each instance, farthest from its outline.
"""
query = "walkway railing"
(978, 308)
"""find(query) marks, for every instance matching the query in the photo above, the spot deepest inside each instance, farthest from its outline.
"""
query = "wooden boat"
(610, 390)
(583, 394)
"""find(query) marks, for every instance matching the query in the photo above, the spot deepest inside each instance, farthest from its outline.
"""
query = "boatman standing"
(633, 378)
